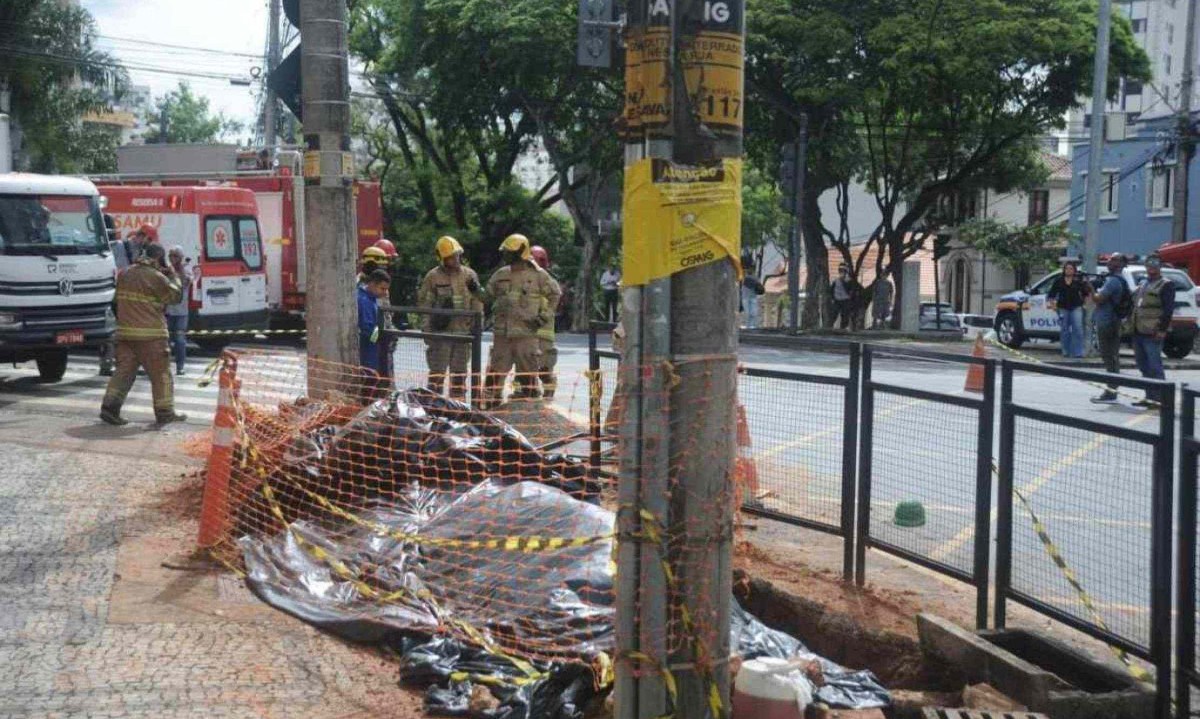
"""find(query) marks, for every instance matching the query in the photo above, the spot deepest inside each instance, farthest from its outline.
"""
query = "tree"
(931, 101)
(188, 119)
(50, 65)
(764, 221)
(1019, 249)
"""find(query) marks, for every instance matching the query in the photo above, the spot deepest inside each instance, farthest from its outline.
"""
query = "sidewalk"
(95, 625)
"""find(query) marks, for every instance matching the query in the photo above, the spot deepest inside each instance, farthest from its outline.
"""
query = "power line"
(190, 48)
(74, 61)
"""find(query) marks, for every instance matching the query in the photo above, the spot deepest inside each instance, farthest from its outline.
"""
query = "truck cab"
(57, 277)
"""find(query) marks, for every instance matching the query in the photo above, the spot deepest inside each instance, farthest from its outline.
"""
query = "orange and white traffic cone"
(214, 512)
(975, 371)
(745, 471)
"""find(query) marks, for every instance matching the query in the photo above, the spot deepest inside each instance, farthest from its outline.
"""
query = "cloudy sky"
(229, 37)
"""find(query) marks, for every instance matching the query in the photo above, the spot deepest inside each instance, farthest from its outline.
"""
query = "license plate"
(71, 337)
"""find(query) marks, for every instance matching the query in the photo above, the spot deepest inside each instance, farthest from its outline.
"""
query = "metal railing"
(1097, 557)
(903, 428)
(1187, 673)
(407, 346)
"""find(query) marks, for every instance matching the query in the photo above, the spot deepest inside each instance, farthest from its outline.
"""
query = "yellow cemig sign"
(686, 216)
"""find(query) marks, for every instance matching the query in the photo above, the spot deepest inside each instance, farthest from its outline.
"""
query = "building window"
(1170, 33)
(1139, 25)
(1166, 63)
(1039, 207)
(1159, 189)
(1111, 192)
(1133, 87)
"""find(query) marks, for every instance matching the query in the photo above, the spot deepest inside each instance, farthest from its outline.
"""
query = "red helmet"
(386, 245)
(540, 256)
(150, 232)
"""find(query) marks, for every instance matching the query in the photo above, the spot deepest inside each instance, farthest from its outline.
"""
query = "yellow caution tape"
(236, 333)
(1034, 360)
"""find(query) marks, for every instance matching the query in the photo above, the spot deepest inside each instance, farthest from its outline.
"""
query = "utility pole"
(270, 130)
(6, 155)
(330, 247)
(797, 226)
(676, 487)
(1186, 143)
(1095, 179)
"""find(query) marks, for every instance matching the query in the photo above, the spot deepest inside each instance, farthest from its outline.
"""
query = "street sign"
(595, 33)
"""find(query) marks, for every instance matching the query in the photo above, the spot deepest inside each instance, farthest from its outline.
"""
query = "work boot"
(165, 419)
(1106, 397)
(113, 417)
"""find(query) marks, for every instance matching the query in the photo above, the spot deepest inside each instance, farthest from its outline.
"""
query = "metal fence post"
(1185, 639)
(1004, 495)
(477, 360)
(867, 419)
(983, 493)
(850, 421)
(595, 396)
(1163, 496)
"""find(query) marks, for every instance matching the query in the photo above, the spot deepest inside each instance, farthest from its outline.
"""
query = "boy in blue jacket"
(373, 288)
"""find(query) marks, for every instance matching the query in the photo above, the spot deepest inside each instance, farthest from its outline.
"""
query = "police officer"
(449, 286)
(523, 300)
(546, 333)
(1153, 305)
(143, 292)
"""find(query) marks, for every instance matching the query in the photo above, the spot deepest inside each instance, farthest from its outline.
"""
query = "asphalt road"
(1090, 490)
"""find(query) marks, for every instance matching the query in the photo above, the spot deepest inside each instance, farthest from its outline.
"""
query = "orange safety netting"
(508, 521)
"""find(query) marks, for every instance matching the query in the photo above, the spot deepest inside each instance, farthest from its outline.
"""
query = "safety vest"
(1147, 307)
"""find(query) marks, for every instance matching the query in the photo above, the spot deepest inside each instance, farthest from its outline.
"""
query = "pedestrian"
(1113, 302)
(449, 286)
(143, 293)
(843, 289)
(546, 336)
(373, 288)
(881, 302)
(752, 289)
(610, 283)
(177, 314)
(108, 350)
(1067, 295)
(1153, 306)
(522, 295)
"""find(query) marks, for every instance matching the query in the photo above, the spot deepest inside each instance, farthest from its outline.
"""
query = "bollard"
(214, 512)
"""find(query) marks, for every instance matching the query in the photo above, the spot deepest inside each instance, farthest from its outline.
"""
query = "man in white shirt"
(610, 282)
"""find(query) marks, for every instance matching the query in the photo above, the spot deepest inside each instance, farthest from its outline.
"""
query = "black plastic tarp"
(557, 602)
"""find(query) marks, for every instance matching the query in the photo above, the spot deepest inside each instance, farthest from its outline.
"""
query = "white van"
(57, 277)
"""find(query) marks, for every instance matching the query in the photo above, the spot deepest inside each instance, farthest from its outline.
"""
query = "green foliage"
(188, 119)
(1016, 248)
(48, 57)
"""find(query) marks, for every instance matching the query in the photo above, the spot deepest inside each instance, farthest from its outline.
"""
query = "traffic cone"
(214, 511)
(975, 371)
(745, 472)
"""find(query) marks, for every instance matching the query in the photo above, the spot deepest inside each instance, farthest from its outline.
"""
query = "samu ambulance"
(57, 277)
(219, 231)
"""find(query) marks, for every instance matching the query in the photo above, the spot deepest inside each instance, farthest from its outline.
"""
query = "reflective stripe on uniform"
(141, 333)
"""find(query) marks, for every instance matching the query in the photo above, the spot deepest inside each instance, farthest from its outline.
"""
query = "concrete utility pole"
(1095, 179)
(1187, 137)
(681, 335)
(270, 130)
(331, 249)
(6, 155)
(797, 226)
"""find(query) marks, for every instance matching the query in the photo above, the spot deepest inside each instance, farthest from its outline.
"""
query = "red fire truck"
(279, 193)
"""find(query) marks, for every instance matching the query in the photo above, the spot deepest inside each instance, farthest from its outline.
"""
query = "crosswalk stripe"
(133, 411)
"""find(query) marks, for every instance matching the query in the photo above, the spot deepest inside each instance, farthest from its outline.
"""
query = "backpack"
(1123, 307)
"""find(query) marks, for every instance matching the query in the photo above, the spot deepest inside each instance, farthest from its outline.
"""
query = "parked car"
(1023, 315)
(928, 319)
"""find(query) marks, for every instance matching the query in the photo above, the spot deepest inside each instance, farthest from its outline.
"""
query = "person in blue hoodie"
(373, 288)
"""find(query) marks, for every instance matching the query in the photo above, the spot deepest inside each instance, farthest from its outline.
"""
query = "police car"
(1023, 315)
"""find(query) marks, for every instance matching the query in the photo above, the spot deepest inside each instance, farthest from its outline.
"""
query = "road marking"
(1043, 477)
(781, 448)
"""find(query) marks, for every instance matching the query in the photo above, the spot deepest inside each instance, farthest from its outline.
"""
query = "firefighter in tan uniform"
(449, 286)
(143, 292)
(523, 299)
(546, 337)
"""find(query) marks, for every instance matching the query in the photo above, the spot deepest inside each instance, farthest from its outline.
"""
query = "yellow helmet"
(374, 254)
(446, 247)
(517, 243)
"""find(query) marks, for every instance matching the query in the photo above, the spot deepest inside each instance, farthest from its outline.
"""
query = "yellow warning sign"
(713, 70)
(680, 216)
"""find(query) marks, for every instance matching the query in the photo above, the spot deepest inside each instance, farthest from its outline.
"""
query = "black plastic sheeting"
(559, 599)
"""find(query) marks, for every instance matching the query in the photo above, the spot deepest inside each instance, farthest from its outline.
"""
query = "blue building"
(1136, 207)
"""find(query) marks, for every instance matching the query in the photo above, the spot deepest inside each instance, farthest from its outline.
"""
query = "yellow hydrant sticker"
(680, 216)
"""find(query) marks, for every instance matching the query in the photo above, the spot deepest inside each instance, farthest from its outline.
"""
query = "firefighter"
(143, 292)
(396, 295)
(449, 286)
(373, 258)
(523, 300)
(546, 333)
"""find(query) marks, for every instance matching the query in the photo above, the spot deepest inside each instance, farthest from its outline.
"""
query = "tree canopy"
(188, 119)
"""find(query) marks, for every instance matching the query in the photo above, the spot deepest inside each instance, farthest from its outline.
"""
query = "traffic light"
(787, 177)
(595, 33)
(285, 78)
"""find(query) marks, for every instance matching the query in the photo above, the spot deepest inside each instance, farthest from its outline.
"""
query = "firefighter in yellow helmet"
(449, 286)
(373, 258)
(546, 333)
(523, 300)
